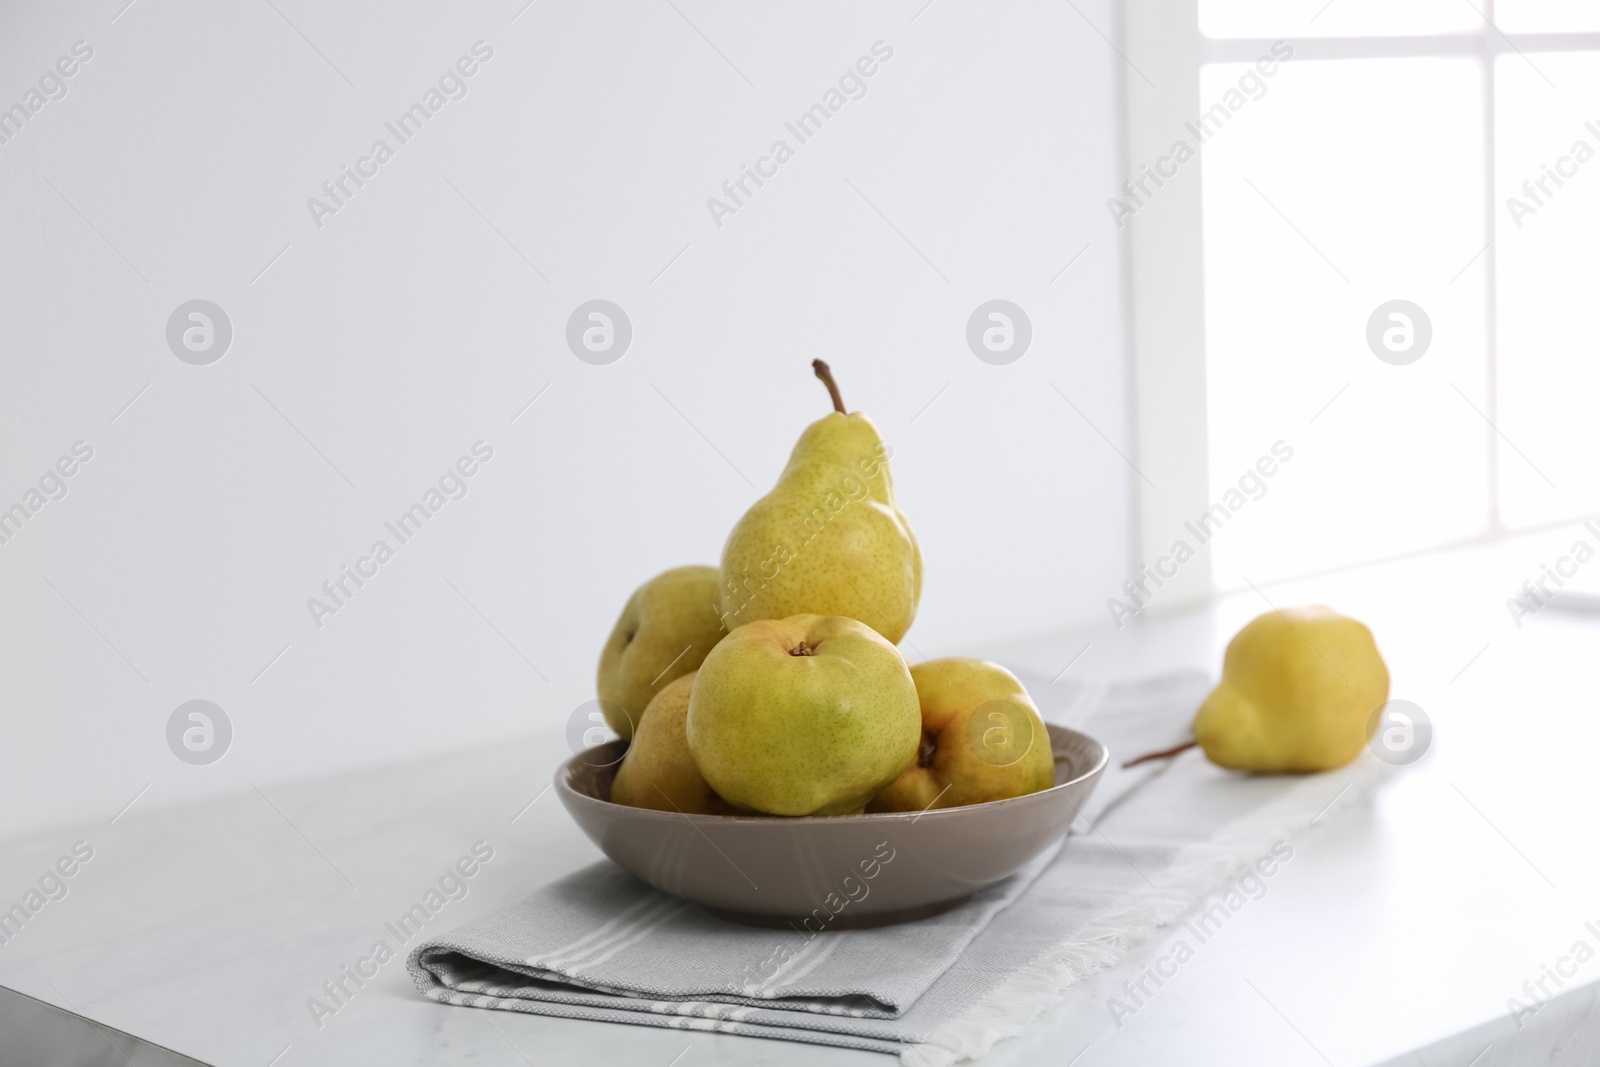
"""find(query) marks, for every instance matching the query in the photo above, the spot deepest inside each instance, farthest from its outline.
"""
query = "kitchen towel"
(1151, 842)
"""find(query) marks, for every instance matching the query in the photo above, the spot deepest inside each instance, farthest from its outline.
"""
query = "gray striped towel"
(1153, 841)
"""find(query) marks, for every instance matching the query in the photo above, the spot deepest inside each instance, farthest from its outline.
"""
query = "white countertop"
(1396, 934)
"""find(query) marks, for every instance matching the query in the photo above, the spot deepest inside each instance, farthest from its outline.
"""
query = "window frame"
(1165, 244)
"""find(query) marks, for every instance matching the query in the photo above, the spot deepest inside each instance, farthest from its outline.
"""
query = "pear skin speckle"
(658, 771)
(828, 539)
(809, 715)
(963, 762)
(665, 631)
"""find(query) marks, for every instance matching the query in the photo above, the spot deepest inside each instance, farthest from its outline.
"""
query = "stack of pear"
(773, 684)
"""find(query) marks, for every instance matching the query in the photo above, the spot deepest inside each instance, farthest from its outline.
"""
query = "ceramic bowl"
(851, 869)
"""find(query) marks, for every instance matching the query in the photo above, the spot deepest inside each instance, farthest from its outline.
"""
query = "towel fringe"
(1199, 870)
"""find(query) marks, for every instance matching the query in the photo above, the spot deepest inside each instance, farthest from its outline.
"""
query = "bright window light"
(1549, 276)
(1348, 184)
(1340, 18)
(1547, 16)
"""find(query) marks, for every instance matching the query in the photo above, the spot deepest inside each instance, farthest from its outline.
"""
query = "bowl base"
(842, 921)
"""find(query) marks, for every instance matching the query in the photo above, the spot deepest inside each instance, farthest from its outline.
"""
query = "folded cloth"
(601, 945)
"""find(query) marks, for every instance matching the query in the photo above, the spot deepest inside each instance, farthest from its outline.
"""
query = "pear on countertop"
(1298, 692)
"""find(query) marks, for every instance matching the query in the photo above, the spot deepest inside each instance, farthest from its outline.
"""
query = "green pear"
(658, 771)
(664, 632)
(1298, 692)
(982, 739)
(809, 715)
(828, 539)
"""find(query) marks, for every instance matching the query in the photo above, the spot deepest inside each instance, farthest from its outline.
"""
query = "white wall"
(406, 328)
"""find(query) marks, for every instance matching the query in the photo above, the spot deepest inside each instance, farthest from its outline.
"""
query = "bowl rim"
(570, 795)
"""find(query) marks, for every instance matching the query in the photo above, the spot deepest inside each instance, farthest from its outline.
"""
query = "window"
(1444, 154)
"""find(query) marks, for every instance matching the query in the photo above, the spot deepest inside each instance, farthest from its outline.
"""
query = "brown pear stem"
(1163, 754)
(833, 387)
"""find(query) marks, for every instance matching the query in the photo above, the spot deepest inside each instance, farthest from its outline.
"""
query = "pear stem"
(833, 387)
(1163, 754)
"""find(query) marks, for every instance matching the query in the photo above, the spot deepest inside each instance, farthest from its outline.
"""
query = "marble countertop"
(1398, 934)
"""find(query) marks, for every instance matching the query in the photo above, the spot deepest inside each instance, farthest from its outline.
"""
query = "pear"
(1298, 692)
(809, 715)
(828, 539)
(982, 739)
(658, 771)
(663, 633)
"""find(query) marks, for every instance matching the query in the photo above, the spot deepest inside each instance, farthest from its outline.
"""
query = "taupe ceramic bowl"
(839, 869)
